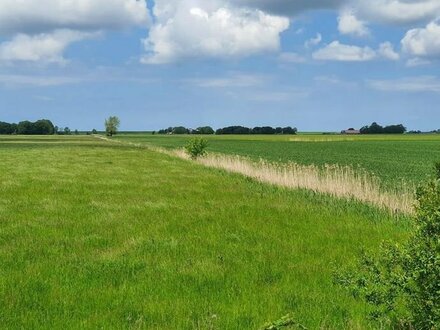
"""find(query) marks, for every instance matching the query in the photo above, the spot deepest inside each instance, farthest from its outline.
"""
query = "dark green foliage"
(94, 131)
(196, 147)
(375, 128)
(206, 130)
(266, 130)
(402, 283)
(40, 127)
(7, 128)
(230, 130)
(233, 130)
(180, 130)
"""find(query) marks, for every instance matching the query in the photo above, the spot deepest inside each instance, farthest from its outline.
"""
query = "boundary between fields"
(334, 180)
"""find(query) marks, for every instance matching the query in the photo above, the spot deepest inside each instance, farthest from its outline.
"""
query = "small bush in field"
(402, 283)
(196, 147)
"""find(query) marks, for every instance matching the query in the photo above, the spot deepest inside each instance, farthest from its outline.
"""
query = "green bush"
(402, 283)
(196, 147)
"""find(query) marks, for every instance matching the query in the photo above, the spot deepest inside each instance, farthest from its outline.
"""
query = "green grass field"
(101, 235)
(395, 159)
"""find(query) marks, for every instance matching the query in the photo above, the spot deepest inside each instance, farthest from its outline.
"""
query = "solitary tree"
(112, 125)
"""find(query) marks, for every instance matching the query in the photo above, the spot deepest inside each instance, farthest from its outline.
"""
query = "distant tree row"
(241, 130)
(375, 128)
(420, 132)
(207, 130)
(40, 127)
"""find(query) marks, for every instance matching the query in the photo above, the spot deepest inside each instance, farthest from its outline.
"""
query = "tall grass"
(335, 180)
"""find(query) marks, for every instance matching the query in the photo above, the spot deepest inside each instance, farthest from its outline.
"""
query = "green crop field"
(95, 234)
(395, 159)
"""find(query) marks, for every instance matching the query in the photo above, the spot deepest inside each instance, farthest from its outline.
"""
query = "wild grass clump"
(196, 148)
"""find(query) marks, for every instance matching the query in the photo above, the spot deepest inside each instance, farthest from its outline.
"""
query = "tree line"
(40, 127)
(375, 128)
(236, 130)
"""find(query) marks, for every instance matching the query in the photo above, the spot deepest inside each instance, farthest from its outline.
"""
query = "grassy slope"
(406, 158)
(94, 235)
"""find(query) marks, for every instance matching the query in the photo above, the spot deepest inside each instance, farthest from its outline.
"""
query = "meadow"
(95, 234)
(395, 159)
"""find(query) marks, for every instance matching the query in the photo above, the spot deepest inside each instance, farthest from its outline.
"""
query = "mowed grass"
(96, 235)
(395, 159)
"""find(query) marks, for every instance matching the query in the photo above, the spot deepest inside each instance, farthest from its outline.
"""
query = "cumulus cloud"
(32, 17)
(386, 50)
(41, 30)
(348, 23)
(44, 47)
(336, 51)
(186, 29)
(398, 11)
(423, 42)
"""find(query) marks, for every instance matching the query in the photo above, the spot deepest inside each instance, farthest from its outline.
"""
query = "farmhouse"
(351, 131)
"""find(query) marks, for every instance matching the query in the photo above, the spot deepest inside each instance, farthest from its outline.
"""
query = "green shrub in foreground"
(403, 282)
(196, 147)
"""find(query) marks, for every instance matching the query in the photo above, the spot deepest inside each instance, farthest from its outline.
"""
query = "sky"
(319, 65)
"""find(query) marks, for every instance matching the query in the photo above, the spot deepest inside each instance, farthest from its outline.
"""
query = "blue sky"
(317, 65)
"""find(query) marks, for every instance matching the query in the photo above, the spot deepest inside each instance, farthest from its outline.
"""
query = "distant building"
(351, 131)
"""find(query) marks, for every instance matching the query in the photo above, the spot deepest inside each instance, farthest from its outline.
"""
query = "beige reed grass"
(334, 180)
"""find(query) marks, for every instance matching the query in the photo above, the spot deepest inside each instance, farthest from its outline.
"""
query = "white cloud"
(423, 42)
(413, 84)
(313, 41)
(348, 23)
(40, 31)
(398, 11)
(30, 17)
(336, 51)
(386, 50)
(186, 29)
(44, 47)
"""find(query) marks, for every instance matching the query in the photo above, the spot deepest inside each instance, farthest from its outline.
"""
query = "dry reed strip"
(337, 181)
(334, 180)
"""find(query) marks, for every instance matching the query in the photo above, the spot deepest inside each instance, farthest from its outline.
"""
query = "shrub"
(196, 147)
(402, 283)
